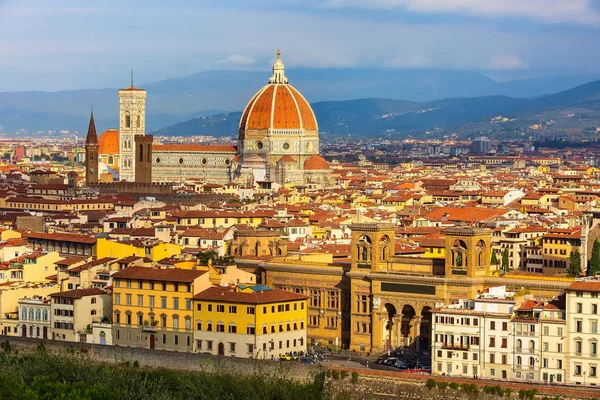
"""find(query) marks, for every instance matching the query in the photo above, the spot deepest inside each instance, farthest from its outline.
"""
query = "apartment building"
(582, 332)
(538, 329)
(152, 307)
(473, 338)
(494, 338)
(73, 312)
(250, 321)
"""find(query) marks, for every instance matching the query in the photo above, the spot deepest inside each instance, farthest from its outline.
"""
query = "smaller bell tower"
(373, 245)
(467, 252)
(91, 153)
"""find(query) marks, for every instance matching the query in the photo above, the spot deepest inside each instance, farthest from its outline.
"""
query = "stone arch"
(364, 248)
(389, 339)
(384, 247)
(424, 329)
(480, 251)
(407, 327)
(459, 254)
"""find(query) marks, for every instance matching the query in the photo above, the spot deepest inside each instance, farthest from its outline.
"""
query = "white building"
(582, 331)
(34, 317)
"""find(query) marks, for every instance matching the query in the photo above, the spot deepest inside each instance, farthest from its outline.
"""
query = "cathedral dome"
(316, 163)
(108, 142)
(278, 105)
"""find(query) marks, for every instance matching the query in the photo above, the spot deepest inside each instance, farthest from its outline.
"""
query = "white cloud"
(237, 59)
(555, 11)
(499, 61)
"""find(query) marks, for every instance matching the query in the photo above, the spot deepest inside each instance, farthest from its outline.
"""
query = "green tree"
(574, 264)
(505, 260)
(494, 260)
(205, 256)
(594, 266)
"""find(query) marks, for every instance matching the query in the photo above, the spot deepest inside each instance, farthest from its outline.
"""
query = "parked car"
(306, 360)
(400, 364)
(381, 359)
(390, 361)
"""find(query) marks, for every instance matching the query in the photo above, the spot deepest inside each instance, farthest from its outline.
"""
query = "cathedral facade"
(278, 141)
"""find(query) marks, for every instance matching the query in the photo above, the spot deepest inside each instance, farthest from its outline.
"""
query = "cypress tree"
(594, 267)
(505, 260)
(574, 264)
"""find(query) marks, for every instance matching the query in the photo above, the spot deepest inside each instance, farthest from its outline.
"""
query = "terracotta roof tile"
(230, 294)
(154, 274)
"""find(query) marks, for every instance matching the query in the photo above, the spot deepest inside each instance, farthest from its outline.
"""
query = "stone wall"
(170, 359)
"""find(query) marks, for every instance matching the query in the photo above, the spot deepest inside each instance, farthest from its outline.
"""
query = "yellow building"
(152, 308)
(249, 321)
(110, 248)
(216, 219)
(557, 246)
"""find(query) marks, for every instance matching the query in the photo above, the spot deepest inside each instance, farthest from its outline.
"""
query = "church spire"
(91, 135)
(278, 71)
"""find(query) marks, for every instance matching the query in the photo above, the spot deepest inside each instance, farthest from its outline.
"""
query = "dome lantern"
(278, 76)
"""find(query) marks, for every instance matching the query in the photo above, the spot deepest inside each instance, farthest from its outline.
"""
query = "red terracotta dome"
(278, 105)
(316, 163)
(109, 142)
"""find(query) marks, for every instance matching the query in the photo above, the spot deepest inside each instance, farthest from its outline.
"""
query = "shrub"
(453, 386)
(5, 346)
(136, 364)
(508, 392)
(335, 374)
(430, 384)
(354, 377)
(442, 385)
(527, 394)
(328, 373)
(344, 374)
(470, 388)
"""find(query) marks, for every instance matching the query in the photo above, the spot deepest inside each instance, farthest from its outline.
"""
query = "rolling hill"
(216, 92)
(374, 116)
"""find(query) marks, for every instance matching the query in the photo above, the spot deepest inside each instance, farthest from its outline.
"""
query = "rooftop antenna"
(131, 77)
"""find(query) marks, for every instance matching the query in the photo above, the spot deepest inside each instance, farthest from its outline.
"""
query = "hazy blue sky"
(64, 44)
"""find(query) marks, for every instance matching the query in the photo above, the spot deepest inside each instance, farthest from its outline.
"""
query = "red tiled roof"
(63, 237)
(194, 147)
(79, 293)
(154, 274)
(230, 294)
(590, 286)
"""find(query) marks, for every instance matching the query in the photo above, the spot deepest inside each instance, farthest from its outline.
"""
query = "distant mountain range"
(216, 92)
(375, 116)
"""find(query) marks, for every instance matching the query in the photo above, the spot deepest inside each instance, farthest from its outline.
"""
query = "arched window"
(531, 345)
(31, 313)
(139, 121)
(23, 313)
(519, 344)
(519, 360)
(141, 152)
(127, 120)
(93, 300)
(45, 315)
(38, 314)
(110, 160)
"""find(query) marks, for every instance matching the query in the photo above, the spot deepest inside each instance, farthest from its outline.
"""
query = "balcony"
(455, 346)
(149, 328)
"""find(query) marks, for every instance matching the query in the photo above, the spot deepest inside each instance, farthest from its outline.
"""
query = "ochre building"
(381, 300)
